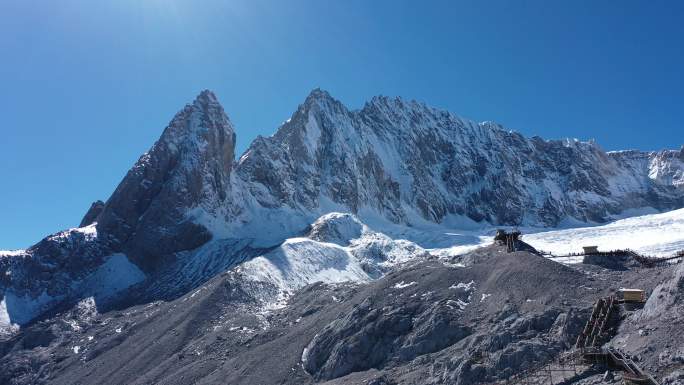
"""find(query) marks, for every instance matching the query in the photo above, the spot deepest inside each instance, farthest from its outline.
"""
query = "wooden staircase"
(588, 353)
(599, 325)
(632, 372)
(565, 368)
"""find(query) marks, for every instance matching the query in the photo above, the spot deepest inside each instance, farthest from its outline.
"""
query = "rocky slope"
(647, 333)
(469, 319)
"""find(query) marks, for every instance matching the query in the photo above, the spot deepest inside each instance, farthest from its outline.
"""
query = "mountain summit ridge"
(401, 160)
(188, 210)
(189, 165)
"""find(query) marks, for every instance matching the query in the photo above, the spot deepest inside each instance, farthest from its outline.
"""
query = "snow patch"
(402, 285)
(90, 231)
(464, 286)
(6, 324)
(460, 304)
(301, 261)
(114, 275)
(338, 228)
(12, 253)
(20, 309)
(73, 324)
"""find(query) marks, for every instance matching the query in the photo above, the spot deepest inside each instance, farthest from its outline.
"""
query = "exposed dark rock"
(93, 212)
(187, 168)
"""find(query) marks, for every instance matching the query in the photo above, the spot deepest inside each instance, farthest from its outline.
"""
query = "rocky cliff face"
(400, 160)
(409, 162)
(144, 221)
(188, 167)
(91, 215)
(667, 167)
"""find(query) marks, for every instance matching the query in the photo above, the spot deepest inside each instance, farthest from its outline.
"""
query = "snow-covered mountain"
(188, 210)
(401, 161)
(188, 168)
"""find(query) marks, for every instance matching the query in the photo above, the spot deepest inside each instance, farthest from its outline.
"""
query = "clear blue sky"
(87, 86)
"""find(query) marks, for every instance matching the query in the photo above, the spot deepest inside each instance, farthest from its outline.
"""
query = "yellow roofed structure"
(633, 295)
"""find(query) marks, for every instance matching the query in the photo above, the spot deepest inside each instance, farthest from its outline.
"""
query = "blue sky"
(87, 86)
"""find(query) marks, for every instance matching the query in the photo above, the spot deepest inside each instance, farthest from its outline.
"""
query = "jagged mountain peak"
(188, 168)
(393, 102)
(93, 212)
(317, 94)
(400, 114)
(391, 161)
(394, 111)
(206, 96)
(320, 102)
(398, 159)
(204, 120)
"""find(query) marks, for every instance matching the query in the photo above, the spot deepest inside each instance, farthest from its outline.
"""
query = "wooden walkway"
(614, 358)
(579, 363)
(563, 369)
(644, 260)
(587, 354)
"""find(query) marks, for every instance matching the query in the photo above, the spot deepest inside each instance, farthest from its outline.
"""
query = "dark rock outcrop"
(188, 168)
(91, 215)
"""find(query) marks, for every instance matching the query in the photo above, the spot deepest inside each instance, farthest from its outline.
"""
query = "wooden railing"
(594, 332)
(645, 260)
(586, 354)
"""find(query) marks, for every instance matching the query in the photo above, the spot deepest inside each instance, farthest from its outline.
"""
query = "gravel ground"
(473, 319)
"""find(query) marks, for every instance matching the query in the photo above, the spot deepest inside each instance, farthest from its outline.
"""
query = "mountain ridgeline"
(189, 210)
(332, 252)
(399, 160)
